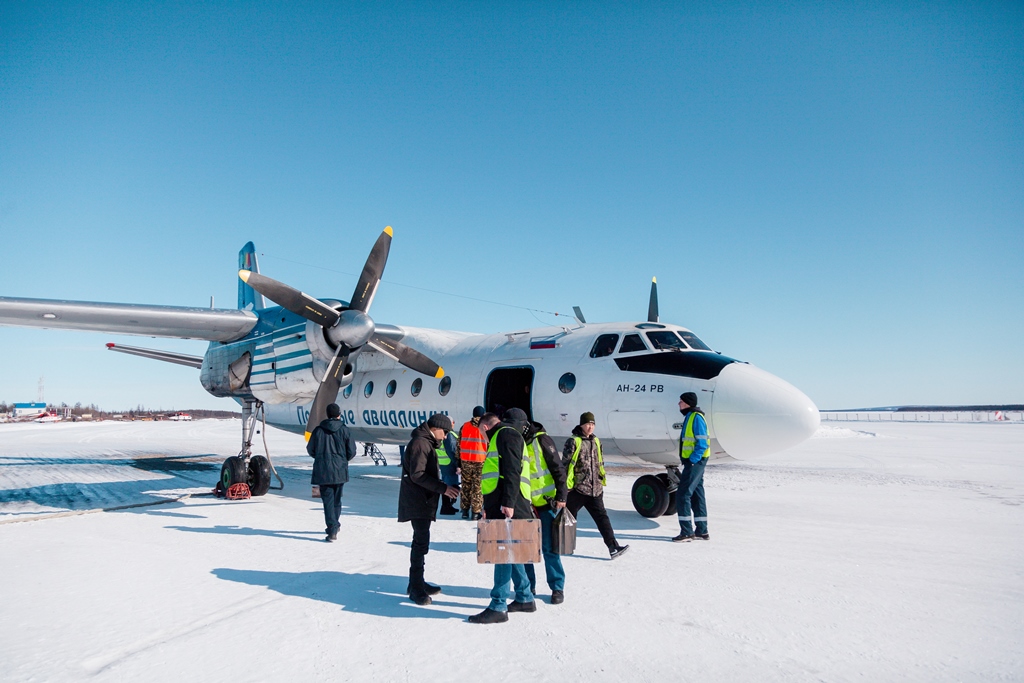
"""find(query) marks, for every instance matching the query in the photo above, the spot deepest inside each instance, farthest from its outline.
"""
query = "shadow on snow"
(380, 594)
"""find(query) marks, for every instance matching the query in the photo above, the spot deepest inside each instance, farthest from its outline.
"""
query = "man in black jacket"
(540, 445)
(331, 447)
(418, 496)
(507, 501)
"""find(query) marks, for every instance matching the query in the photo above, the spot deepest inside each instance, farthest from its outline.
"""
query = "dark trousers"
(330, 494)
(595, 506)
(420, 543)
(690, 498)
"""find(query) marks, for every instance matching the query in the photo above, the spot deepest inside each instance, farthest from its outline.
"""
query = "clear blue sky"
(835, 194)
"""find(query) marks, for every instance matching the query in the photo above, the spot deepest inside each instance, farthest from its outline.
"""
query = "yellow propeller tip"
(244, 274)
(308, 434)
(389, 231)
(440, 373)
(654, 280)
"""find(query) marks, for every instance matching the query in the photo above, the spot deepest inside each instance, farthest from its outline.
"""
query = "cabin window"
(347, 392)
(691, 339)
(696, 365)
(417, 387)
(631, 343)
(368, 389)
(666, 340)
(567, 382)
(445, 386)
(604, 346)
(390, 388)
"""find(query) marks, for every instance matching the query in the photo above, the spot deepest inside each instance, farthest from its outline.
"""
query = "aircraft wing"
(211, 324)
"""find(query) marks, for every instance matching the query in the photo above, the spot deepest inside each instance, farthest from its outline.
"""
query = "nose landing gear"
(654, 495)
(245, 468)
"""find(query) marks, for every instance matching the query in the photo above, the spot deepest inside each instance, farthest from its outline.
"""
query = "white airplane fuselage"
(749, 412)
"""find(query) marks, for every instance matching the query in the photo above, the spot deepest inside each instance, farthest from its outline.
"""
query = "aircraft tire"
(259, 475)
(650, 496)
(233, 472)
(671, 509)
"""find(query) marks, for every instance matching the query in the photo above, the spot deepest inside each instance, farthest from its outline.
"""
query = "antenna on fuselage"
(579, 315)
(652, 306)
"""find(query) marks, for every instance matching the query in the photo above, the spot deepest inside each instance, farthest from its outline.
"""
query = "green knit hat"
(586, 417)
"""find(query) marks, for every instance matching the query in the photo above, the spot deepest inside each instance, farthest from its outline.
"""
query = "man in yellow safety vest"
(586, 479)
(548, 494)
(693, 456)
(505, 483)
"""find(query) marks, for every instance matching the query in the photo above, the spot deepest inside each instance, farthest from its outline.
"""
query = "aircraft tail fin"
(247, 296)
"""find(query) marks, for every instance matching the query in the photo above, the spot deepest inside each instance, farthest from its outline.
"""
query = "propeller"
(652, 307)
(347, 330)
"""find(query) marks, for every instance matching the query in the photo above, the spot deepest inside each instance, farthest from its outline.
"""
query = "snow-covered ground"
(871, 552)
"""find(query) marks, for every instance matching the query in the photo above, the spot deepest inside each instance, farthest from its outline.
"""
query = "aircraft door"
(509, 387)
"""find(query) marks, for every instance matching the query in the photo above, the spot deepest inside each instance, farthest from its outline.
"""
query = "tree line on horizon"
(140, 411)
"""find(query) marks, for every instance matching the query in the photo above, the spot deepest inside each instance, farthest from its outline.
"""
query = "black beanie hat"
(440, 421)
(690, 398)
(333, 410)
(479, 411)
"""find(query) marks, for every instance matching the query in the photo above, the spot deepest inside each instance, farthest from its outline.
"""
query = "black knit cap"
(440, 421)
(333, 410)
(690, 398)
(479, 411)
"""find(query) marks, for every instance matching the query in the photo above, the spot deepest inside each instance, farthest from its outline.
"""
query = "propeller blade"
(288, 297)
(407, 356)
(372, 272)
(328, 391)
(652, 307)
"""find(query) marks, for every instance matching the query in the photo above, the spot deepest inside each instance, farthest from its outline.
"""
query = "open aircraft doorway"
(509, 388)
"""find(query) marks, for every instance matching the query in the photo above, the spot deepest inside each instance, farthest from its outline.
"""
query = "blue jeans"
(690, 498)
(503, 573)
(330, 494)
(552, 561)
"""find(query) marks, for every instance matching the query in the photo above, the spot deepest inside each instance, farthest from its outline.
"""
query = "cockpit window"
(666, 340)
(691, 339)
(604, 345)
(631, 343)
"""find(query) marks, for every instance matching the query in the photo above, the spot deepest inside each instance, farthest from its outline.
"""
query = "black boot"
(428, 588)
(465, 513)
(488, 616)
(417, 589)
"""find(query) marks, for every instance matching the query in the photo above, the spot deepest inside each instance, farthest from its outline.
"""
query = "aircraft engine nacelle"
(227, 370)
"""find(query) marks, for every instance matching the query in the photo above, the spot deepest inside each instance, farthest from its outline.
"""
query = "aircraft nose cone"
(755, 413)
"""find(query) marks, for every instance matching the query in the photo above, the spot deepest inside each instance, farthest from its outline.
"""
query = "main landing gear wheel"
(671, 509)
(259, 475)
(650, 496)
(233, 472)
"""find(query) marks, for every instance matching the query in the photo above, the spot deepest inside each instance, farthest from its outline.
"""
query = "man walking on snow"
(331, 447)
(585, 479)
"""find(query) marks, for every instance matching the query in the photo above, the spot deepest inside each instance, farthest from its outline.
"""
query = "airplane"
(285, 363)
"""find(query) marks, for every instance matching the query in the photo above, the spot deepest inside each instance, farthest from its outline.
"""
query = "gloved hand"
(695, 459)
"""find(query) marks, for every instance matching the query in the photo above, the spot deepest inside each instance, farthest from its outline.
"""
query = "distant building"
(28, 409)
